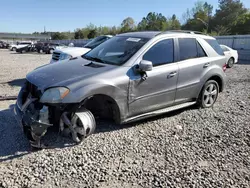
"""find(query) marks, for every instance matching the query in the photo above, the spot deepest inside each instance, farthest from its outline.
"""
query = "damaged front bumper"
(36, 117)
(32, 116)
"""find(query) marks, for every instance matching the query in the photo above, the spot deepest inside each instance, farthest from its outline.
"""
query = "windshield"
(117, 50)
(95, 42)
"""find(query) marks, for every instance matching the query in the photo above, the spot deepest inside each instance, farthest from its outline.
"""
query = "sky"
(27, 16)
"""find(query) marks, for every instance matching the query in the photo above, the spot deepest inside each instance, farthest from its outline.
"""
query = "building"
(11, 37)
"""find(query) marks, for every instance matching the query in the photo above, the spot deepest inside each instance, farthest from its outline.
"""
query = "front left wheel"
(209, 94)
(78, 126)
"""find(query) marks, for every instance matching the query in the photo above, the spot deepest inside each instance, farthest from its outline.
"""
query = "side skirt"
(158, 112)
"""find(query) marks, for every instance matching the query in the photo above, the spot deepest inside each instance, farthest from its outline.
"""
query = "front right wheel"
(209, 94)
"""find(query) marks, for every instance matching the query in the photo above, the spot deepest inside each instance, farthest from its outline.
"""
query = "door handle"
(206, 65)
(172, 74)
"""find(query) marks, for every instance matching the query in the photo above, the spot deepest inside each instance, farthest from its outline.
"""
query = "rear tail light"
(224, 67)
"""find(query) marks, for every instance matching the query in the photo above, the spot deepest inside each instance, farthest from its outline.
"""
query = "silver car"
(129, 77)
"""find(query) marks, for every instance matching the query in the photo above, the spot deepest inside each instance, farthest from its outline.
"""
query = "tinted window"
(188, 48)
(215, 45)
(200, 50)
(116, 50)
(161, 53)
(24, 43)
(224, 48)
(97, 41)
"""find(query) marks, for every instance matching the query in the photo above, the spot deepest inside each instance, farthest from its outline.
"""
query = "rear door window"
(190, 48)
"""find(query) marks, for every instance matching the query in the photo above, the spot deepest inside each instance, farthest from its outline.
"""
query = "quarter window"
(215, 45)
(161, 53)
(200, 50)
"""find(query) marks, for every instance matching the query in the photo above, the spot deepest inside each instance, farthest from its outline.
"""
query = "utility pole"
(205, 23)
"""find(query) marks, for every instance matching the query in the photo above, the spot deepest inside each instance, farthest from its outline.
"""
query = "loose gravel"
(187, 148)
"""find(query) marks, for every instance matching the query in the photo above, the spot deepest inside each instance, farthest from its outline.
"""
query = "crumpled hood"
(64, 74)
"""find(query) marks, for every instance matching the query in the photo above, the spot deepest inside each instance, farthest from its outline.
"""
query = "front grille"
(56, 56)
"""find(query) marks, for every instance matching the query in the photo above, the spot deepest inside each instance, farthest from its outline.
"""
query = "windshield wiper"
(94, 59)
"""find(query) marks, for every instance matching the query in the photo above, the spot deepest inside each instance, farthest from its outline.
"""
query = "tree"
(174, 23)
(79, 34)
(92, 34)
(127, 24)
(58, 36)
(222, 30)
(242, 25)
(198, 18)
(228, 13)
(153, 21)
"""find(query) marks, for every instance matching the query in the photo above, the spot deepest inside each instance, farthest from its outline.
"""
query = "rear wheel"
(51, 51)
(209, 94)
(230, 63)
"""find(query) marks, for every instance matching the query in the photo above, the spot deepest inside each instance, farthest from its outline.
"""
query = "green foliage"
(92, 34)
(231, 17)
(127, 25)
(228, 12)
(153, 22)
(59, 36)
(197, 19)
(242, 25)
(174, 23)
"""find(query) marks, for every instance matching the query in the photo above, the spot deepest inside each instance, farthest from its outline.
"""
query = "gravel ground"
(186, 148)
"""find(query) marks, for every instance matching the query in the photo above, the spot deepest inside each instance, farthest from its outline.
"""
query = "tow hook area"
(78, 125)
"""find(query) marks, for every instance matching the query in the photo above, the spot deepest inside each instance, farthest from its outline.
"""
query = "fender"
(117, 94)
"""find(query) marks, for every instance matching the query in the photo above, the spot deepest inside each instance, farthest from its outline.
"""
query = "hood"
(65, 74)
(73, 51)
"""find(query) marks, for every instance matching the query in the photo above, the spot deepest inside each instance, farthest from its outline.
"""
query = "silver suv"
(129, 77)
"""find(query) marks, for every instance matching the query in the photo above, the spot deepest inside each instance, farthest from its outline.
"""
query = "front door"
(158, 89)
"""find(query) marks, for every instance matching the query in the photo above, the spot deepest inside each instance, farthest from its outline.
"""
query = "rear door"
(192, 62)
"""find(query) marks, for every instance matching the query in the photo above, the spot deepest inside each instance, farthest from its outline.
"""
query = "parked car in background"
(50, 47)
(39, 46)
(4, 45)
(14, 47)
(29, 48)
(231, 54)
(65, 54)
(127, 78)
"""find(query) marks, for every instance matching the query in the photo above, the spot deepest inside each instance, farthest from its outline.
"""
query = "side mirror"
(145, 65)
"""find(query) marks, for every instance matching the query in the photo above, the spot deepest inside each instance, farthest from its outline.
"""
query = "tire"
(83, 123)
(50, 51)
(13, 49)
(230, 63)
(209, 94)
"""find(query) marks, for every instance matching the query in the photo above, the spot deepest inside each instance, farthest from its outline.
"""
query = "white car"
(65, 54)
(232, 55)
(13, 47)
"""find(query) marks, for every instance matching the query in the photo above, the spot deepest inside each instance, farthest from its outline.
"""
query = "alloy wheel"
(210, 95)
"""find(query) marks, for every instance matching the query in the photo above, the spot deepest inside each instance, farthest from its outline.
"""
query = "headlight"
(65, 56)
(54, 95)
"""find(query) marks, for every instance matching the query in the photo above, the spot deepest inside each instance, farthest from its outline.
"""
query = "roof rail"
(183, 31)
